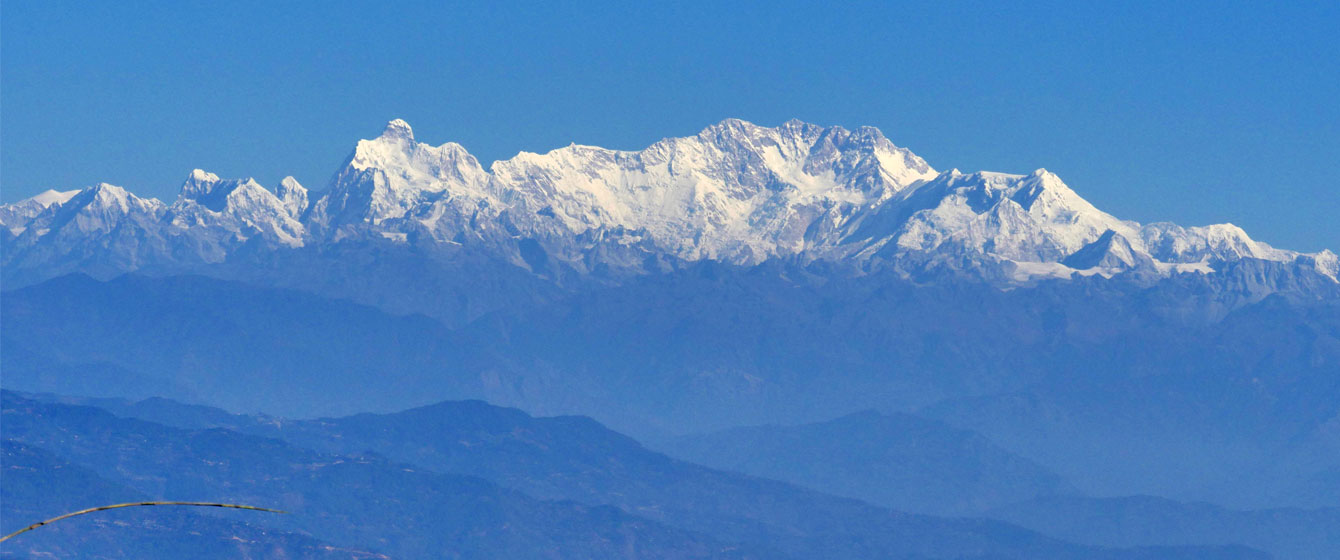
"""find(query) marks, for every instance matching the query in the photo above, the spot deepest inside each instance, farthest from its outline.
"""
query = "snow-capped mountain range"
(736, 193)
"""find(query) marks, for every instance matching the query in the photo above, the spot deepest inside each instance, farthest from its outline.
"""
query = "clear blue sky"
(1184, 111)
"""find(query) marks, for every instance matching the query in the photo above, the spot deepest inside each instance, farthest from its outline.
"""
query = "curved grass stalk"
(134, 504)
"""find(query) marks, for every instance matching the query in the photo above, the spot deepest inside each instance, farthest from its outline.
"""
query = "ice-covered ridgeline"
(105, 230)
(736, 192)
(15, 217)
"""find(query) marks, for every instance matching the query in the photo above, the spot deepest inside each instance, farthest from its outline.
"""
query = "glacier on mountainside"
(736, 192)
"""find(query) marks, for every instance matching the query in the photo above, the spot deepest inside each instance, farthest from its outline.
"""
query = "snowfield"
(737, 193)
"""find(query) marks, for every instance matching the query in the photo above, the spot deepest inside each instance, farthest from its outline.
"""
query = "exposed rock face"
(736, 193)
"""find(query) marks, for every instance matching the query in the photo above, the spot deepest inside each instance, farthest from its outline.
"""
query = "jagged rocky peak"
(109, 197)
(1023, 218)
(1044, 195)
(293, 195)
(290, 185)
(1112, 252)
(15, 217)
(420, 166)
(1326, 262)
(199, 183)
(1173, 243)
(209, 191)
(218, 214)
(387, 177)
(734, 159)
(398, 129)
(736, 192)
(99, 209)
(51, 197)
(1023, 190)
(800, 147)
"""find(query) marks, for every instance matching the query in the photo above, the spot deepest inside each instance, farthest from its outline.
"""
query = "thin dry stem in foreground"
(134, 504)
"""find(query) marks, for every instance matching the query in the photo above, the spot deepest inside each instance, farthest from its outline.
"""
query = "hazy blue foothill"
(40, 485)
(897, 460)
(1303, 533)
(361, 499)
(1114, 395)
(417, 510)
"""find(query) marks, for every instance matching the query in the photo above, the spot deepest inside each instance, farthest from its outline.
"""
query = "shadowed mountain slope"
(39, 485)
(362, 500)
(574, 458)
(896, 460)
(1295, 534)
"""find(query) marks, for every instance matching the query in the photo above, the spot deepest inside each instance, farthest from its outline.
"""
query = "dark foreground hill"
(363, 501)
(418, 504)
(39, 485)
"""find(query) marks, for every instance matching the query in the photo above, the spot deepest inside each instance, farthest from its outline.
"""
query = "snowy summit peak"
(52, 196)
(199, 183)
(398, 129)
(202, 175)
(289, 183)
(736, 192)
